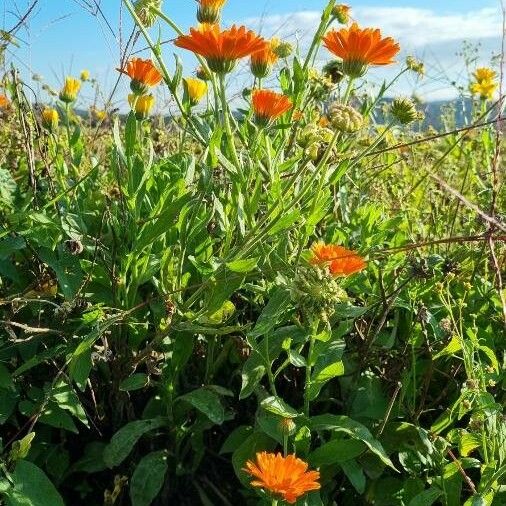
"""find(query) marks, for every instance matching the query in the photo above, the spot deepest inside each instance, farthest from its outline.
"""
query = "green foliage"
(163, 317)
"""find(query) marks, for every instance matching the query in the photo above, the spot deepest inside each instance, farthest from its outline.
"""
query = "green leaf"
(125, 439)
(207, 402)
(328, 365)
(279, 407)
(6, 381)
(355, 474)
(426, 498)
(148, 478)
(450, 349)
(257, 442)
(156, 228)
(21, 448)
(67, 399)
(336, 451)
(243, 266)
(31, 487)
(272, 313)
(235, 439)
(134, 382)
(341, 423)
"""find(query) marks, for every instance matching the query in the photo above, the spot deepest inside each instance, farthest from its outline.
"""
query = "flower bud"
(287, 426)
(195, 89)
(85, 75)
(50, 119)
(344, 118)
(404, 111)
(141, 105)
(209, 11)
(68, 93)
(341, 12)
(144, 11)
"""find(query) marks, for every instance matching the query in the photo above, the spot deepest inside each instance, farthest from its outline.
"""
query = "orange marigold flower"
(262, 61)
(360, 47)
(286, 477)
(4, 102)
(209, 10)
(269, 105)
(341, 261)
(221, 49)
(143, 74)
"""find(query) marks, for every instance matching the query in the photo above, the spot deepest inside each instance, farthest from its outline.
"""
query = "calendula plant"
(290, 297)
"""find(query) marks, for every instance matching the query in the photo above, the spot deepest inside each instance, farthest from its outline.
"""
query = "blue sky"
(63, 36)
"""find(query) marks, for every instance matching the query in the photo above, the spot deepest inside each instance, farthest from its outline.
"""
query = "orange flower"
(269, 105)
(4, 102)
(286, 477)
(143, 74)
(341, 261)
(262, 61)
(209, 10)
(221, 49)
(360, 47)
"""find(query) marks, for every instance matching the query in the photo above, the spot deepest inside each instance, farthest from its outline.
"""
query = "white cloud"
(432, 36)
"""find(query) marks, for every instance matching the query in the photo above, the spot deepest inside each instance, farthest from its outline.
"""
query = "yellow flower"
(70, 90)
(50, 118)
(195, 89)
(141, 105)
(85, 75)
(484, 74)
(485, 89)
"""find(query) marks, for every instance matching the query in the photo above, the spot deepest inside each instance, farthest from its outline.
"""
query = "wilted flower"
(209, 11)
(283, 50)
(202, 74)
(195, 89)
(342, 13)
(50, 118)
(286, 478)
(143, 75)
(269, 105)
(85, 75)
(360, 47)
(144, 11)
(221, 49)
(345, 118)
(70, 90)
(415, 65)
(404, 111)
(334, 71)
(141, 105)
(262, 61)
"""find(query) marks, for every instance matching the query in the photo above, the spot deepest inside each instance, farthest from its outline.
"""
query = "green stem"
(309, 366)
(226, 119)
(201, 60)
(163, 68)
